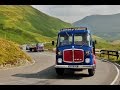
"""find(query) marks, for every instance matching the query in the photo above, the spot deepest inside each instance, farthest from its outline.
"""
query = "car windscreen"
(64, 39)
(81, 39)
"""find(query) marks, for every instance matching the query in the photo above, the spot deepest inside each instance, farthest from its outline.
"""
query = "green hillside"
(25, 24)
(103, 44)
(116, 42)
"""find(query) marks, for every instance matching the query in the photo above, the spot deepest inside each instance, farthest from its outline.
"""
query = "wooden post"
(117, 55)
(100, 53)
(108, 54)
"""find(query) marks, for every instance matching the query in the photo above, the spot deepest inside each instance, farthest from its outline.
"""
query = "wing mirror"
(95, 42)
(53, 43)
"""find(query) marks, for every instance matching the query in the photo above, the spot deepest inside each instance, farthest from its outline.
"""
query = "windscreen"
(64, 39)
(81, 39)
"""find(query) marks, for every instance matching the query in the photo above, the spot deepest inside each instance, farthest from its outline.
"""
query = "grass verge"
(11, 55)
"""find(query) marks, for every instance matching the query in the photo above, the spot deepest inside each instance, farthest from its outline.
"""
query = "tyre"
(35, 50)
(91, 72)
(31, 49)
(59, 71)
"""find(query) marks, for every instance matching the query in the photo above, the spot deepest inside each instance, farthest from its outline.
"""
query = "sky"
(73, 13)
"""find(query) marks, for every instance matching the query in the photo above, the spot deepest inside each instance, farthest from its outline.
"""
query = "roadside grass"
(111, 58)
(49, 46)
(105, 45)
(11, 54)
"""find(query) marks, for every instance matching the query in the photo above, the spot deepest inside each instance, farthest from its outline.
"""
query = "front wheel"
(59, 71)
(91, 72)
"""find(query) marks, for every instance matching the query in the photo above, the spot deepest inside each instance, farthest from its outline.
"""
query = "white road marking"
(118, 72)
(117, 64)
(113, 82)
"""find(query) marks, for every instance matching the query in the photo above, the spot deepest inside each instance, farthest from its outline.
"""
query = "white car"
(40, 47)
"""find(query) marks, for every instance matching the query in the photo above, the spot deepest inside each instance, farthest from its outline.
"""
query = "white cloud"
(72, 13)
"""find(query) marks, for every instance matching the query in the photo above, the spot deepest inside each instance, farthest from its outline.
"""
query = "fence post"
(117, 55)
(100, 53)
(108, 54)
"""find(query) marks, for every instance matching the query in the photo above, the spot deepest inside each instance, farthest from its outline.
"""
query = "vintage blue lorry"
(75, 50)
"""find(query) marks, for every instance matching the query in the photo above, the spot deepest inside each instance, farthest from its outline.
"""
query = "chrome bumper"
(76, 66)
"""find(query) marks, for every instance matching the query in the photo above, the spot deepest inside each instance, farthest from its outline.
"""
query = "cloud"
(72, 13)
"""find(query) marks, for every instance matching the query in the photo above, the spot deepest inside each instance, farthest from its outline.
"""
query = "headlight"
(59, 60)
(87, 60)
(87, 53)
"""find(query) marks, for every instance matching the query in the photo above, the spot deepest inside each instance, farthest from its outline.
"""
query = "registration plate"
(72, 66)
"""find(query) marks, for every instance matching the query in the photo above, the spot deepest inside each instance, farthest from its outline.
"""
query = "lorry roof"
(77, 31)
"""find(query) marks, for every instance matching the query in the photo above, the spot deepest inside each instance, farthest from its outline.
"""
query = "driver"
(66, 41)
(84, 39)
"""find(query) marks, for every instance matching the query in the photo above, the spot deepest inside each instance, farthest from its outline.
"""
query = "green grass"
(25, 24)
(103, 44)
(49, 46)
(111, 58)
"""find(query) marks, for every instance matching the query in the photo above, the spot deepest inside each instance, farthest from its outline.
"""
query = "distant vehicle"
(75, 50)
(40, 47)
(27, 47)
(35, 47)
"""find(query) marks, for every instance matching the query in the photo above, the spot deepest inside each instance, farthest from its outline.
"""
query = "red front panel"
(67, 56)
(78, 55)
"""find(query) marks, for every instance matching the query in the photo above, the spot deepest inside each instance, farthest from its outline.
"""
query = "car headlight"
(87, 53)
(87, 60)
(59, 60)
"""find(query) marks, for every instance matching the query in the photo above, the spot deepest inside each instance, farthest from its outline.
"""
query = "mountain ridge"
(105, 26)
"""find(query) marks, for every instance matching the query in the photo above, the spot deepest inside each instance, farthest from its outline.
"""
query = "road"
(42, 72)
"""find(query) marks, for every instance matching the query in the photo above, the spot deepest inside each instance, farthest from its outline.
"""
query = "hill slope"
(10, 53)
(24, 24)
(105, 26)
(104, 44)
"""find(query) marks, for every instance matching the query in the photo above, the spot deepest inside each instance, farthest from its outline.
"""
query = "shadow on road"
(49, 73)
(32, 51)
